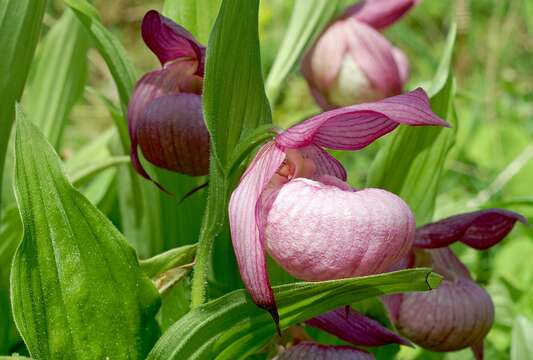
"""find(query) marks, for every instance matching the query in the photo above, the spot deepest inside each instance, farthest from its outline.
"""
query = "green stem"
(214, 216)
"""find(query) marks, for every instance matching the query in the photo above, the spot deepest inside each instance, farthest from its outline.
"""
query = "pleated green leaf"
(412, 162)
(20, 25)
(77, 289)
(234, 99)
(233, 327)
(160, 263)
(309, 17)
(60, 72)
(197, 16)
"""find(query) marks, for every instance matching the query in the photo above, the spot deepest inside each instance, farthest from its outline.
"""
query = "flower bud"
(353, 63)
(319, 231)
(456, 315)
(165, 113)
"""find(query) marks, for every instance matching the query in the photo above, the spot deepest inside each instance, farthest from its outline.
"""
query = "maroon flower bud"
(165, 113)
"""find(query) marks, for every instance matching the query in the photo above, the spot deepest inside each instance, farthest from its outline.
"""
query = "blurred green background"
(490, 165)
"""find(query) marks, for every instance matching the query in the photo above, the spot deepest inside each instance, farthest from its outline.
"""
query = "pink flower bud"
(312, 351)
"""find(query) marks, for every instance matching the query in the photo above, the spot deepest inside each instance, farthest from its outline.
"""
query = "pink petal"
(479, 229)
(356, 328)
(380, 13)
(402, 62)
(324, 162)
(354, 127)
(169, 41)
(245, 232)
(312, 351)
(375, 56)
(319, 232)
(178, 77)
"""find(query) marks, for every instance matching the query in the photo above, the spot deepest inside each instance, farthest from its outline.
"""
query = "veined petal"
(380, 13)
(354, 127)
(245, 233)
(356, 328)
(374, 55)
(324, 162)
(479, 229)
(312, 351)
(177, 77)
(169, 41)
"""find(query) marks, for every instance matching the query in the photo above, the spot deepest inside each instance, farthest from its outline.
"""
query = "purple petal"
(169, 41)
(380, 13)
(444, 262)
(375, 56)
(478, 350)
(324, 162)
(176, 78)
(479, 229)
(173, 135)
(356, 328)
(246, 235)
(354, 127)
(312, 351)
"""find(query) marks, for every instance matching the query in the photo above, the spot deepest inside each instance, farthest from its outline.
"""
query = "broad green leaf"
(158, 264)
(20, 25)
(58, 76)
(234, 99)
(308, 19)
(412, 161)
(522, 339)
(197, 16)
(233, 327)
(77, 289)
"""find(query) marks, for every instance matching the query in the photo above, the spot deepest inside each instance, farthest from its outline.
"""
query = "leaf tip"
(433, 280)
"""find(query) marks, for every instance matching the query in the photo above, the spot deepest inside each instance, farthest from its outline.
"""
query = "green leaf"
(60, 72)
(411, 163)
(76, 286)
(308, 19)
(197, 16)
(158, 264)
(20, 25)
(234, 99)
(233, 327)
(522, 339)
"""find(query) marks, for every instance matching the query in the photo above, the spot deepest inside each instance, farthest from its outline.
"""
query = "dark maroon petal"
(169, 41)
(380, 13)
(173, 135)
(479, 229)
(356, 328)
(354, 127)
(245, 218)
(478, 350)
(312, 351)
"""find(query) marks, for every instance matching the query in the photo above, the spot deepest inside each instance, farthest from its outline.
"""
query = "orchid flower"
(352, 62)
(293, 200)
(459, 313)
(312, 351)
(165, 113)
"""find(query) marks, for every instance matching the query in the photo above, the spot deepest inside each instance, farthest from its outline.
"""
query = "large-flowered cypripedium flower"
(165, 112)
(293, 200)
(459, 313)
(351, 62)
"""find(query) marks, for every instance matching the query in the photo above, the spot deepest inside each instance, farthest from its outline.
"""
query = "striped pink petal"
(354, 127)
(479, 229)
(324, 162)
(356, 328)
(380, 13)
(248, 242)
(169, 41)
(312, 351)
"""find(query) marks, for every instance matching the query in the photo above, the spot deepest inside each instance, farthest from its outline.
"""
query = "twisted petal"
(354, 127)
(324, 162)
(356, 328)
(318, 231)
(245, 232)
(176, 78)
(375, 57)
(169, 41)
(479, 229)
(380, 13)
(312, 351)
